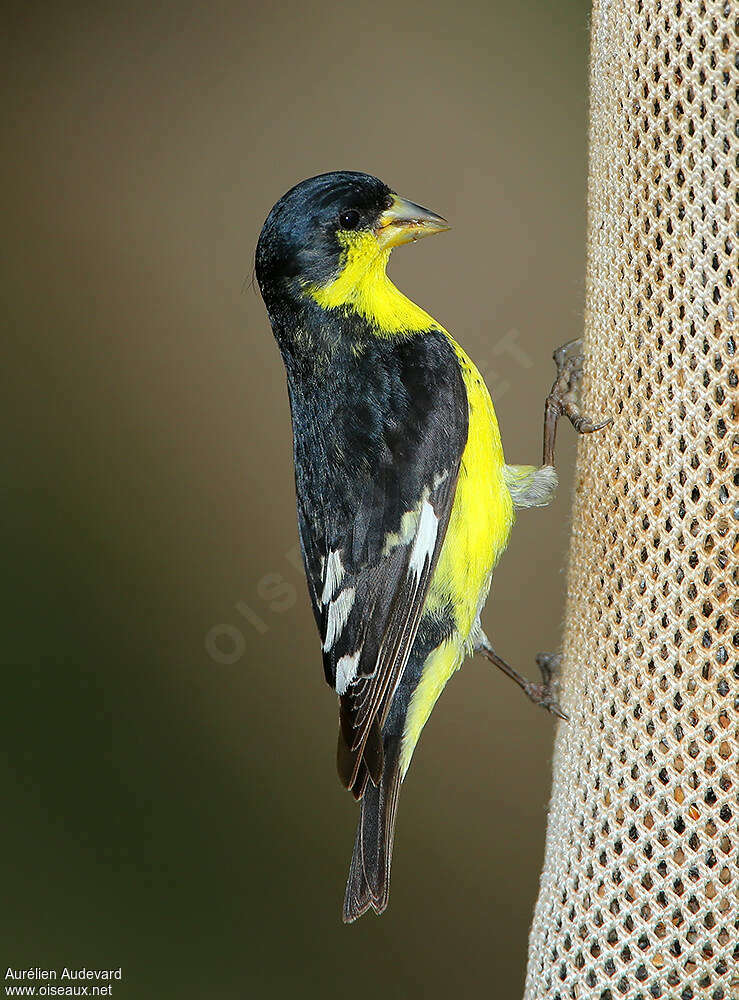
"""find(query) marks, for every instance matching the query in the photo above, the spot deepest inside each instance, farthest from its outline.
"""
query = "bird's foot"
(563, 398)
(544, 694)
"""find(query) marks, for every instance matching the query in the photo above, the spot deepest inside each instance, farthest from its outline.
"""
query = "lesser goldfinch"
(405, 502)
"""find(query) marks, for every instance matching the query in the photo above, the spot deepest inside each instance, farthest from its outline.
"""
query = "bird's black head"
(300, 239)
(331, 225)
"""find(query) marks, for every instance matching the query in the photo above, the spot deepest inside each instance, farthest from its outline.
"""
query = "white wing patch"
(425, 540)
(440, 477)
(408, 525)
(338, 612)
(420, 525)
(346, 671)
(333, 575)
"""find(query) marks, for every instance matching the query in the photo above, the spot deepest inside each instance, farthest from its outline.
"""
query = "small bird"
(405, 502)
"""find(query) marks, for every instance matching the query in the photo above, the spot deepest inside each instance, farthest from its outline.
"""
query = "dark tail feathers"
(369, 873)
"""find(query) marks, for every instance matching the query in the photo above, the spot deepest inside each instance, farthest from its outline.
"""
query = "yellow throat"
(363, 286)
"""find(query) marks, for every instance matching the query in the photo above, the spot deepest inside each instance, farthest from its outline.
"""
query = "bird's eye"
(349, 219)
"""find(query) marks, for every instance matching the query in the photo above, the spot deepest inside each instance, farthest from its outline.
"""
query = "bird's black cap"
(299, 238)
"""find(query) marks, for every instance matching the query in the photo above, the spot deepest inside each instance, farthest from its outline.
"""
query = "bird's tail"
(369, 874)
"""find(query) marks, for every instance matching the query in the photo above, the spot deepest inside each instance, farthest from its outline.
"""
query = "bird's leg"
(562, 398)
(544, 694)
(530, 487)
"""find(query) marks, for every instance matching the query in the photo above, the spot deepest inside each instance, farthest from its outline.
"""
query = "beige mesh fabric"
(639, 894)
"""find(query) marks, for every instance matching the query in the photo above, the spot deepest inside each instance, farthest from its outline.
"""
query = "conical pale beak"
(405, 222)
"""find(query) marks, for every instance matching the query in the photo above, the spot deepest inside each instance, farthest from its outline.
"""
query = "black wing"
(376, 473)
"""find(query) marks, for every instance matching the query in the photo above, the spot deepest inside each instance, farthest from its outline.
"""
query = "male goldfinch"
(405, 502)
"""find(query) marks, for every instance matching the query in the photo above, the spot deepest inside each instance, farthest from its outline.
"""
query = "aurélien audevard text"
(70, 981)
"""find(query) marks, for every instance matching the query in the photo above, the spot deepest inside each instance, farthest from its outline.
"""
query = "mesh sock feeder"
(639, 894)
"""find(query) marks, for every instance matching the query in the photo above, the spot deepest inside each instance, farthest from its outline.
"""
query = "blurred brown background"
(165, 810)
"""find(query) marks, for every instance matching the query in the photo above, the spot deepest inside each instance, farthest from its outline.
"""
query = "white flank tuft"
(529, 486)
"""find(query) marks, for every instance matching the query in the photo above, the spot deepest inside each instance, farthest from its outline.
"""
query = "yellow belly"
(478, 532)
(482, 514)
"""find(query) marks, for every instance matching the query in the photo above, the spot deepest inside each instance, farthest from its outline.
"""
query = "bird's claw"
(569, 360)
(546, 694)
(563, 397)
(562, 351)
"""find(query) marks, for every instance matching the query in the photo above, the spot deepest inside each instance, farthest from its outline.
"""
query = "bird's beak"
(405, 222)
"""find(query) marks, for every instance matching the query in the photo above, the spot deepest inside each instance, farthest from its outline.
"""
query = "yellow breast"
(482, 514)
(478, 532)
